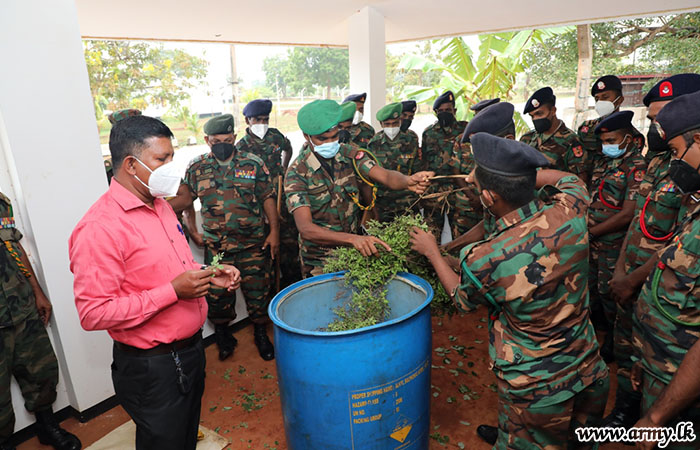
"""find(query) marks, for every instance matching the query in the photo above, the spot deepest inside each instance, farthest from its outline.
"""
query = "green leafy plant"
(368, 277)
(216, 263)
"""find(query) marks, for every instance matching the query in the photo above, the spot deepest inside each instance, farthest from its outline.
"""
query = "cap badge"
(666, 89)
(535, 103)
(601, 85)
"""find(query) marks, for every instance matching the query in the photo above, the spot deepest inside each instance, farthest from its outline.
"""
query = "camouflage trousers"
(603, 257)
(390, 207)
(651, 390)
(464, 215)
(26, 353)
(290, 267)
(623, 345)
(310, 268)
(256, 276)
(525, 426)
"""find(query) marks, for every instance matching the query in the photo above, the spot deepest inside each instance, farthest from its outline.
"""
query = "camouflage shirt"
(468, 207)
(16, 294)
(400, 155)
(671, 291)
(329, 198)
(232, 197)
(269, 149)
(361, 134)
(532, 273)
(613, 182)
(562, 149)
(657, 207)
(437, 148)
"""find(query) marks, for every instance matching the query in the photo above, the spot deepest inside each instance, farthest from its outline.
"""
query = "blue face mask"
(614, 150)
(327, 150)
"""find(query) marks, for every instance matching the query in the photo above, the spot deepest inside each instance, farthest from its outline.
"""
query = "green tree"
(666, 44)
(127, 74)
(306, 67)
(397, 78)
(274, 68)
(474, 77)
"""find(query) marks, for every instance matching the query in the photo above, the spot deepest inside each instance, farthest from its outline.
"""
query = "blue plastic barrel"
(363, 389)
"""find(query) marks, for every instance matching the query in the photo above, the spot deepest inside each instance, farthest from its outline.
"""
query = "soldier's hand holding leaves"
(419, 181)
(424, 242)
(367, 245)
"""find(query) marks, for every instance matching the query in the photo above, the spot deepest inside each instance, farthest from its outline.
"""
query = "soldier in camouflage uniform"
(360, 132)
(25, 348)
(236, 194)
(667, 313)
(437, 148)
(395, 150)
(655, 215)
(557, 143)
(531, 273)
(607, 93)
(322, 188)
(276, 151)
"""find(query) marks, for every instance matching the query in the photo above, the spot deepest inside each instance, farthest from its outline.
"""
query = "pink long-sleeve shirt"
(124, 254)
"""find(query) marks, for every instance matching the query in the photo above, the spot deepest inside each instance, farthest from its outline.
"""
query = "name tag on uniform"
(247, 174)
(7, 222)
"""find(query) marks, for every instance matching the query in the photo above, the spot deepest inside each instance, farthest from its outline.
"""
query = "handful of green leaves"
(368, 277)
(216, 263)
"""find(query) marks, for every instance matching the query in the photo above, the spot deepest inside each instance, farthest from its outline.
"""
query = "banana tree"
(490, 73)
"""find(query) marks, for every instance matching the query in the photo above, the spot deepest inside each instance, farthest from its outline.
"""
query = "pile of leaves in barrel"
(368, 277)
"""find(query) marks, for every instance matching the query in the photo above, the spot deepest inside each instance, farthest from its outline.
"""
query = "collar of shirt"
(519, 215)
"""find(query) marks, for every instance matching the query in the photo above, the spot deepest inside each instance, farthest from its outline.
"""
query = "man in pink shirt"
(135, 277)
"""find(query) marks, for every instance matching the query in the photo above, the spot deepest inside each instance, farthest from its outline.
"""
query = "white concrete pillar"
(53, 171)
(367, 47)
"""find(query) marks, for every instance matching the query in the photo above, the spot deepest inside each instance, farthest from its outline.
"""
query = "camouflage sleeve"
(191, 180)
(286, 145)
(575, 192)
(472, 290)
(575, 158)
(264, 188)
(295, 189)
(364, 163)
(635, 178)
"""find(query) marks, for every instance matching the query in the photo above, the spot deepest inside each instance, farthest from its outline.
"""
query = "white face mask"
(604, 107)
(259, 129)
(392, 132)
(164, 181)
(357, 118)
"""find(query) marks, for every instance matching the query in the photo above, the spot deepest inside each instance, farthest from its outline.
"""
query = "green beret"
(347, 111)
(318, 116)
(222, 124)
(390, 111)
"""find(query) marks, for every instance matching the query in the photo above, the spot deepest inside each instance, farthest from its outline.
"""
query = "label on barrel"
(390, 409)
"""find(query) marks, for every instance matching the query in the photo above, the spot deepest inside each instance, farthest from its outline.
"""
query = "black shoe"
(50, 433)
(625, 413)
(488, 433)
(224, 341)
(265, 348)
(607, 351)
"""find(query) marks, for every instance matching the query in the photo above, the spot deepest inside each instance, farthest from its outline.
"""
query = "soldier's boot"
(488, 433)
(224, 340)
(50, 433)
(607, 351)
(265, 348)
(626, 411)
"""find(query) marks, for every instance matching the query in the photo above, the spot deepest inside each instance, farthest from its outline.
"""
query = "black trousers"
(147, 389)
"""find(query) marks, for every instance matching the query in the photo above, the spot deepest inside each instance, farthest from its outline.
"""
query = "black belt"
(160, 349)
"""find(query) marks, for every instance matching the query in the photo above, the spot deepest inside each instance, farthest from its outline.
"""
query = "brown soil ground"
(242, 403)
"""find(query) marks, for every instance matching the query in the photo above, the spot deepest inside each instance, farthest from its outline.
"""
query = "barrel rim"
(409, 278)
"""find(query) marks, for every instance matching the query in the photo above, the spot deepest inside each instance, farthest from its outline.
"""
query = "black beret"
(540, 97)
(356, 98)
(621, 120)
(506, 156)
(448, 96)
(484, 103)
(679, 116)
(492, 120)
(409, 105)
(672, 87)
(259, 107)
(606, 83)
